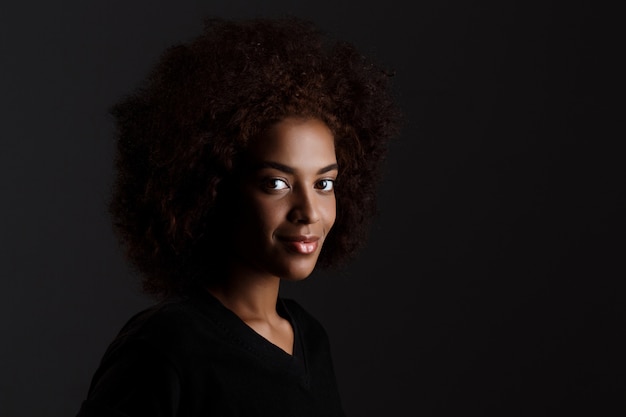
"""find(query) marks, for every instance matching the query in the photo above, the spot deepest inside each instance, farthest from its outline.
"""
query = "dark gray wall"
(494, 281)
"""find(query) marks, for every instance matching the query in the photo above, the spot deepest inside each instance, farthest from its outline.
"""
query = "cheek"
(264, 215)
(330, 213)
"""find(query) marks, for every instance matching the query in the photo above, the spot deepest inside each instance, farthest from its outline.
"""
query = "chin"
(296, 275)
(296, 272)
(289, 266)
(295, 278)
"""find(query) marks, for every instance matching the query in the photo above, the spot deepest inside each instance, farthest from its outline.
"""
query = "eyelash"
(270, 184)
(327, 180)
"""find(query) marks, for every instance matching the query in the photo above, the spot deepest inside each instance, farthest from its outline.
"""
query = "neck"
(250, 296)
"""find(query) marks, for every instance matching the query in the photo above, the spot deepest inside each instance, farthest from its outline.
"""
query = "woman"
(250, 156)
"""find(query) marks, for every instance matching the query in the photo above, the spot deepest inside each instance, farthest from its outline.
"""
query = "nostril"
(304, 215)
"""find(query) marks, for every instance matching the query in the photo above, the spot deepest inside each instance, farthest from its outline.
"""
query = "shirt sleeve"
(135, 382)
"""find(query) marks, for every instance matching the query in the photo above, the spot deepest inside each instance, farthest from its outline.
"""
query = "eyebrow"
(290, 170)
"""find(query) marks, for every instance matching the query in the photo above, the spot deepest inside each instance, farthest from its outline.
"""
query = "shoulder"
(305, 321)
(166, 317)
(139, 372)
(296, 310)
(166, 328)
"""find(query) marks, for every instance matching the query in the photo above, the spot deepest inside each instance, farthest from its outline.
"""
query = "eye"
(325, 184)
(275, 184)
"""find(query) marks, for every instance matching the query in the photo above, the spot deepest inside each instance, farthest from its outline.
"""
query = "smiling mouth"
(302, 244)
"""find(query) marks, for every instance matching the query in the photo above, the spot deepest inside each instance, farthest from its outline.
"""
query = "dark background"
(493, 284)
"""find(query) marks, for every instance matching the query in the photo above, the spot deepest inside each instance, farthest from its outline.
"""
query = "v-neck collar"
(242, 334)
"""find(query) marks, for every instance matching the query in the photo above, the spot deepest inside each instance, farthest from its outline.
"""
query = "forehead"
(298, 143)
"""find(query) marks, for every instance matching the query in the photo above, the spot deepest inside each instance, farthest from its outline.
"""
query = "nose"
(304, 207)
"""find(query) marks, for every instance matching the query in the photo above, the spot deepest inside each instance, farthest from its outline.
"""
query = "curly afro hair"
(180, 135)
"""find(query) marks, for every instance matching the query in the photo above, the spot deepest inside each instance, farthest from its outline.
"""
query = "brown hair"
(179, 135)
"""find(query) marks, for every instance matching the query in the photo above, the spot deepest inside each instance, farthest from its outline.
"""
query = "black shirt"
(194, 357)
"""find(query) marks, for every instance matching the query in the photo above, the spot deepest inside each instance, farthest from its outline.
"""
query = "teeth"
(306, 247)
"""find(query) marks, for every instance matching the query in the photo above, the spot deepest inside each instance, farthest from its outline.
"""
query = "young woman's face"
(288, 199)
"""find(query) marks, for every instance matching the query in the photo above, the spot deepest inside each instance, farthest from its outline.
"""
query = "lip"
(301, 244)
